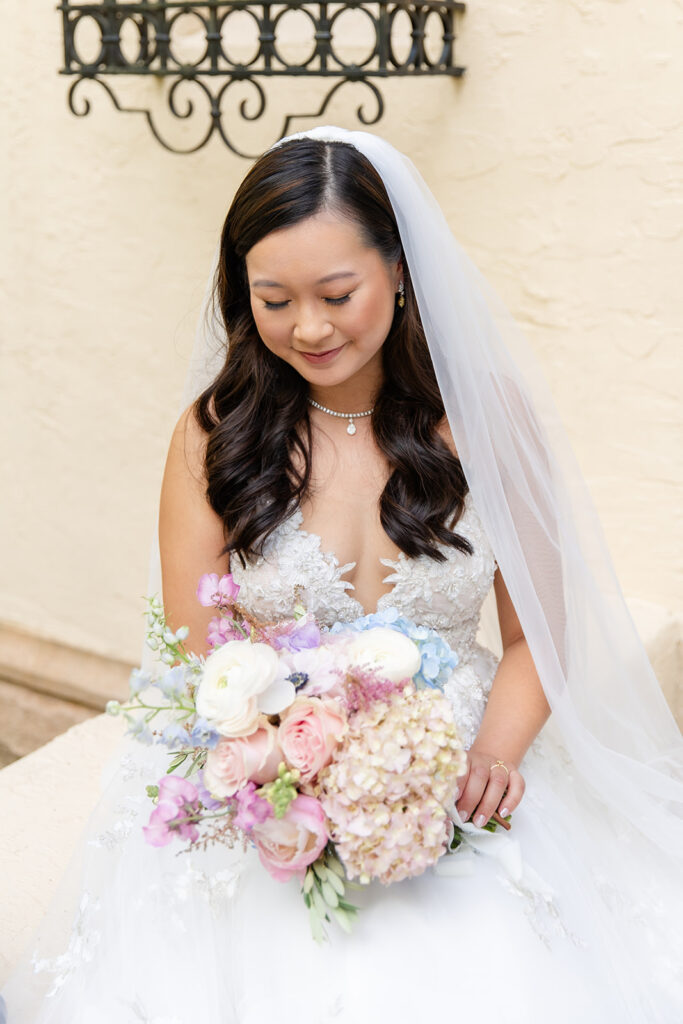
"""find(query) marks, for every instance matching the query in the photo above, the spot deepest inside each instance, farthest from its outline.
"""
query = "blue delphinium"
(202, 735)
(139, 730)
(438, 660)
(139, 681)
(174, 735)
(172, 684)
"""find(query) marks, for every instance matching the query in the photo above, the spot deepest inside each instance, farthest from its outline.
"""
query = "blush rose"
(310, 729)
(234, 762)
(286, 846)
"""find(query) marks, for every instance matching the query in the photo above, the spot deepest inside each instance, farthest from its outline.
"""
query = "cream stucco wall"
(558, 162)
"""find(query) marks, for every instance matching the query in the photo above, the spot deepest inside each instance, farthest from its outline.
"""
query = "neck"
(350, 402)
(357, 394)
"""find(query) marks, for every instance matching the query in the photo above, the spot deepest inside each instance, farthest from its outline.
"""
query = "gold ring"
(500, 764)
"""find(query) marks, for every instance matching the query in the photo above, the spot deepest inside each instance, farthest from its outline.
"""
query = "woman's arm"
(515, 712)
(190, 532)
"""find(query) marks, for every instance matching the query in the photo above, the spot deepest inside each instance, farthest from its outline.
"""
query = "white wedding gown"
(513, 931)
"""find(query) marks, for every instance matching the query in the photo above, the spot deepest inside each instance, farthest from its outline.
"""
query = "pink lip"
(322, 357)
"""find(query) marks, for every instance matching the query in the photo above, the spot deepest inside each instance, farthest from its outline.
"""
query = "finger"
(515, 792)
(490, 799)
(462, 780)
(471, 795)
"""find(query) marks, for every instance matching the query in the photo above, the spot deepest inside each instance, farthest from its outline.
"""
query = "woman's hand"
(485, 789)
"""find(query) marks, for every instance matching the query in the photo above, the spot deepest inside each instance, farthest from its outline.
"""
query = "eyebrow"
(323, 280)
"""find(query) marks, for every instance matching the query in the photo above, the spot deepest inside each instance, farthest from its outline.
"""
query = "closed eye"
(330, 302)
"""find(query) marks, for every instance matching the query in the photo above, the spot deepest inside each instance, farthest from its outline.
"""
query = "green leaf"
(334, 864)
(176, 762)
(329, 894)
(336, 882)
(308, 882)
(317, 928)
(320, 869)
(319, 902)
(342, 919)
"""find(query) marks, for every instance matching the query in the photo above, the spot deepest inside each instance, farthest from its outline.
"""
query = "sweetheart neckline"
(294, 522)
(330, 556)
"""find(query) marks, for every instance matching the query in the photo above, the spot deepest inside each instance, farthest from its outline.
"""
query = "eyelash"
(331, 302)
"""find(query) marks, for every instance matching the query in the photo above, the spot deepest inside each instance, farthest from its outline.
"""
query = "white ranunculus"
(392, 654)
(239, 681)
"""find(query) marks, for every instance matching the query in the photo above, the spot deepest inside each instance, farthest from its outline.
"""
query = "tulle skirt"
(514, 927)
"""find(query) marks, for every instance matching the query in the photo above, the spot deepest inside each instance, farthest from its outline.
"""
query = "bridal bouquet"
(334, 752)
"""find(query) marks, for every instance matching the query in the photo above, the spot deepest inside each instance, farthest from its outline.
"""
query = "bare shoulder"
(183, 489)
(187, 449)
(444, 429)
(191, 534)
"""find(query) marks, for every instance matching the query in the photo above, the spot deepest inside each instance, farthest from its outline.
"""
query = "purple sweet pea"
(252, 809)
(209, 802)
(214, 591)
(295, 636)
(223, 629)
(177, 812)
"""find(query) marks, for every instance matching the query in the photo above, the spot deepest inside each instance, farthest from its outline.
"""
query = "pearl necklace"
(350, 416)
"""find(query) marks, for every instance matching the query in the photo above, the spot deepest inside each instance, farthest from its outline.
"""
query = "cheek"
(272, 331)
(373, 315)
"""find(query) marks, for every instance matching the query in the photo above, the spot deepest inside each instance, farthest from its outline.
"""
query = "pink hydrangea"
(387, 790)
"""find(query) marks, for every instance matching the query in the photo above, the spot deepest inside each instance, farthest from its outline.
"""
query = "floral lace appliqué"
(81, 949)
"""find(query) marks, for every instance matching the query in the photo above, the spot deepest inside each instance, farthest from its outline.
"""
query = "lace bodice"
(446, 596)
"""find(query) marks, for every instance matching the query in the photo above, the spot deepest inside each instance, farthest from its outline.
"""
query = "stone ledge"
(59, 670)
(47, 797)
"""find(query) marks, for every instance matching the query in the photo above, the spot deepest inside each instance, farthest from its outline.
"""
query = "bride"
(368, 443)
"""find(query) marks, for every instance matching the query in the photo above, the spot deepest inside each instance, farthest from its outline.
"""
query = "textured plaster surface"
(558, 160)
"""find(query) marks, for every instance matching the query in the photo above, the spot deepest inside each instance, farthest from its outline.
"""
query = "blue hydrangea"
(438, 660)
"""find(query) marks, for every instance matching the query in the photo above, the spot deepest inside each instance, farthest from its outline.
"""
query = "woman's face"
(322, 300)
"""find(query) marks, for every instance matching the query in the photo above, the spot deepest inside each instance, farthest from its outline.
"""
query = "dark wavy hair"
(256, 412)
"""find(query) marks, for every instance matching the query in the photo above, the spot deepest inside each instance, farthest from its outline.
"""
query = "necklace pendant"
(351, 429)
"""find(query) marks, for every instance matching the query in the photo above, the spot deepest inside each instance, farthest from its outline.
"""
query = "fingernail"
(464, 815)
(457, 792)
(480, 820)
(504, 812)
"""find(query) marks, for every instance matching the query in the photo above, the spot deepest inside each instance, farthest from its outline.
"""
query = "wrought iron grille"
(406, 37)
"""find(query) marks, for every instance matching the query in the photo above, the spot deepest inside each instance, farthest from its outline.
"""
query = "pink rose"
(288, 845)
(235, 761)
(310, 729)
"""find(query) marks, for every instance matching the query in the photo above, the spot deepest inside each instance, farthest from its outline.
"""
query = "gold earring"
(401, 294)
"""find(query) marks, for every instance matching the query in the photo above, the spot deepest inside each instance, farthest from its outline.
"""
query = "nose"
(312, 326)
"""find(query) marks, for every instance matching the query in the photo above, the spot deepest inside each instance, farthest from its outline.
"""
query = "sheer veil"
(611, 756)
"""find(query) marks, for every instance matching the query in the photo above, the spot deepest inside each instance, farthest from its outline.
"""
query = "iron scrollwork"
(145, 38)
